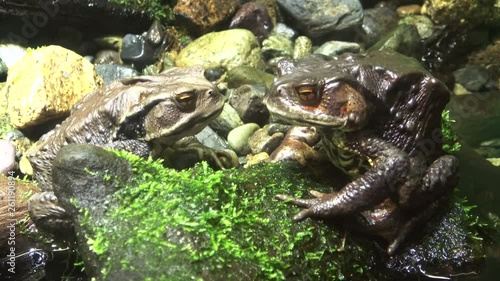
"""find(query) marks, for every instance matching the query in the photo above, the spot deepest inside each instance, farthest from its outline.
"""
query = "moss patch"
(218, 225)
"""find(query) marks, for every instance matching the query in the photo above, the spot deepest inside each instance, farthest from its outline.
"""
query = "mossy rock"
(200, 224)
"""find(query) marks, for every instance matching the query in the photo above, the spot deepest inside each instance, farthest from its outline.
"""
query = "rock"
(204, 16)
(302, 47)
(137, 50)
(280, 29)
(242, 75)
(222, 224)
(7, 157)
(253, 16)
(71, 184)
(247, 100)
(377, 22)
(334, 48)
(209, 138)
(107, 57)
(238, 138)
(466, 12)
(425, 27)
(277, 46)
(408, 10)
(297, 145)
(112, 72)
(226, 121)
(472, 77)
(240, 48)
(214, 73)
(10, 54)
(261, 141)
(57, 79)
(318, 18)
(487, 55)
(404, 39)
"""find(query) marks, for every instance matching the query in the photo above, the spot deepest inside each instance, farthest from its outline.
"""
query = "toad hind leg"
(390, 168)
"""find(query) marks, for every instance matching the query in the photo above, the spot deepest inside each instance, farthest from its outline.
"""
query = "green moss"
(160, 9)
(451, 142)
(218, 225)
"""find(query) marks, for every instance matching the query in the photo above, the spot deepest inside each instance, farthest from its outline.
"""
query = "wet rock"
(241, 75)
(240, 48)
(155, 33)
(450, 46)
(425, 27)
(226, 121)
(247, 100)
(333, 48)
(209, 138)
(71, 184)
(408, 10)
(137, 50)
(238, 138)
(214, 73)
(262, 141)
(377, 22)
(253, 16)
(283, 30)
(404, 39)
(7, 157)
(472, 77)
(302, 47)
(466, 12)
(107, 57)
(277, 46)
(297, 145)
(112, 72)
(205, 16)
(11, 53)
(322, 17)
(57, 79)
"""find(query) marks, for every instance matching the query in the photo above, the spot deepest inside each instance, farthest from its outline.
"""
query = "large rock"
(228, 49)
(56, 80)
(225, 225)
(317, 18)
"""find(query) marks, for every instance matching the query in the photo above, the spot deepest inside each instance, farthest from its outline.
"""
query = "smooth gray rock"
(377, 22)
(226, 121)
(321, 17)
(238, 138)
(112, 72)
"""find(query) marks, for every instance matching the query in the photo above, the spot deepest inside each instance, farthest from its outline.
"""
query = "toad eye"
(186, 100)
(308, 94)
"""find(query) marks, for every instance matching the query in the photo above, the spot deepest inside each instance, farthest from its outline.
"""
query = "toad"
(136, 114)
(379, 115)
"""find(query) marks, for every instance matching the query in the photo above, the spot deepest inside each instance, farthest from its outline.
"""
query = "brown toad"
(135, 114)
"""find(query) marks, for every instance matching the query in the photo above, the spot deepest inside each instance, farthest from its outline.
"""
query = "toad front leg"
(390, 168)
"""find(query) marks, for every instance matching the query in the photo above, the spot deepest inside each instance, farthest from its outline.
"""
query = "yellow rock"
(46, 83)
(228, 48)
